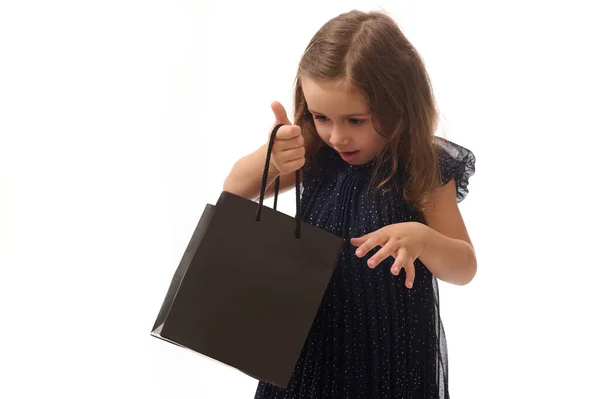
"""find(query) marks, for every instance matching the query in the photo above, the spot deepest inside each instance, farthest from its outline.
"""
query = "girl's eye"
(353, 121)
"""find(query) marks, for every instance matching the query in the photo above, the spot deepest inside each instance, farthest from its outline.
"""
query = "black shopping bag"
(249, 285)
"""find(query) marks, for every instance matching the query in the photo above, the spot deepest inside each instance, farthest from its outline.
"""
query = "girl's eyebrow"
(345, 116)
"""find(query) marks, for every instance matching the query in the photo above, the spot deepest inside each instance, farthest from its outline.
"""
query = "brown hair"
(369, 52)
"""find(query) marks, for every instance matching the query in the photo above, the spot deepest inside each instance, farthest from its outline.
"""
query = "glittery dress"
(372, 337)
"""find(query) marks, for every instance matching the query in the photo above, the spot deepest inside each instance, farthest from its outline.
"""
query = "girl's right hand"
(288, 151)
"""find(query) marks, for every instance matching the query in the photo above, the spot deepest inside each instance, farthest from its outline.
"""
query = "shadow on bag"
(249, 285)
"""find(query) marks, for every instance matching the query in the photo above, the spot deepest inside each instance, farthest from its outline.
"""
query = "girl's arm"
(448, 251)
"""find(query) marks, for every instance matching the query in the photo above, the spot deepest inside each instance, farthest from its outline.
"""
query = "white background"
(119, 121)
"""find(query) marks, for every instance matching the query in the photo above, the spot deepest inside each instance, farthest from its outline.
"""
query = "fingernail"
(409, 284)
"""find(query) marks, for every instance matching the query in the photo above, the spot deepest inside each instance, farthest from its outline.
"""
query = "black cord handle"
(263, 186)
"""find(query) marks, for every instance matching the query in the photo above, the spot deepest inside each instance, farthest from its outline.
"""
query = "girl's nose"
(338, 138)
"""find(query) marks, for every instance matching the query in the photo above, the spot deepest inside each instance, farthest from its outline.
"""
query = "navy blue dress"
(372, 337)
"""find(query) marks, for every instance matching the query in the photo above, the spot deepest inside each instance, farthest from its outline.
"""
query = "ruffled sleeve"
(455, 162)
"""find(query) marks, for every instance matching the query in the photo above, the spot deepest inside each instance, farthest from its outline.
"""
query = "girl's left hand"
(403, 241)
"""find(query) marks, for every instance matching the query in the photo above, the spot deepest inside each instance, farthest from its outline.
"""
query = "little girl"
(373, 173)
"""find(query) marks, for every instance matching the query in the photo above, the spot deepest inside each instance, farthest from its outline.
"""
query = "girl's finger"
(368, 245)
(400, 262)
(410, 273)
(290, 144)
(288, 132)
(358, 241)
(386, 251)
(293, 154)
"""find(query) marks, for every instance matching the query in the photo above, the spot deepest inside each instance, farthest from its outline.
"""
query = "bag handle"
(263, 187)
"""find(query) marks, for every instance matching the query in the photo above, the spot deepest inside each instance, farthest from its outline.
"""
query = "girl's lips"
(348, 155)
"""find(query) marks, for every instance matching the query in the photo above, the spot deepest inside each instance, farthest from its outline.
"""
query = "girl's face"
(343, 121)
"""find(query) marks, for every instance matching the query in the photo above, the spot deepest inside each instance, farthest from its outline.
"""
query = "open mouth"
(348, 155)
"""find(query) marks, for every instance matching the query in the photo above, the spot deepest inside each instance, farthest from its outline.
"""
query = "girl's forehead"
(333, 99)
(340, 85)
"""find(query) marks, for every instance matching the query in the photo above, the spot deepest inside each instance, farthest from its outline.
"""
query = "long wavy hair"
(368, 52)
